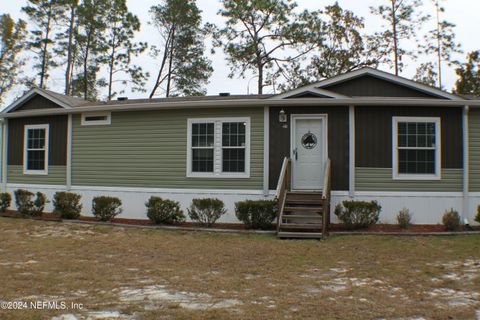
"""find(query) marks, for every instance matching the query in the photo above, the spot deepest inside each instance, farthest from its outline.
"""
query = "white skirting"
(426, 207)
(133, 199)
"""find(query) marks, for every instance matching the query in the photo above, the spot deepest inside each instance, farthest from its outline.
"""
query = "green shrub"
(106, 208)
(256, 214)
(5, 201)
(29, 206)
(206, 211)
(477, 217)
(404, 218)
(164, 210)
(358, 214)
(67, 205)
(451, 220)
(39, 203)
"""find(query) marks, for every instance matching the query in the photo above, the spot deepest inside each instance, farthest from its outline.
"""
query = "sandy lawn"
(130, 273)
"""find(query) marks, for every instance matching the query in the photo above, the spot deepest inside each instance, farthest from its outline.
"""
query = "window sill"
(35, 172)
(218, 176)
(413, 177)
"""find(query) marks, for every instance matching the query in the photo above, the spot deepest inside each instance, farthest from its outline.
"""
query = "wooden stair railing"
(327, 181)
(286, 229)
(282, 187)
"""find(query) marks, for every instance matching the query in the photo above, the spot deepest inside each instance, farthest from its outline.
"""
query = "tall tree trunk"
(45, 48)
(439, 47)
(395, 40)
(260, 78)
(162, 66)
(170, 64)
(70, 48)
(260, 65)
(110, 69)
(72, 70)
(85, 68)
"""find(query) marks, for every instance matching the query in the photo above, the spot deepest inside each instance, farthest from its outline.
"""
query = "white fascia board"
(309, 89)
(30, 94)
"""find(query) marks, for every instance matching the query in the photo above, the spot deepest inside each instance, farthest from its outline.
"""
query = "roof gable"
(369, 82)
(371, 86)
(392, 79)
(36, 99)
(36, 102)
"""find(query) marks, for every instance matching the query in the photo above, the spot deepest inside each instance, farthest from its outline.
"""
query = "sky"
(463, 13)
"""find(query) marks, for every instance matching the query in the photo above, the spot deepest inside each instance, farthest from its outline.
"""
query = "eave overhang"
(300, 102)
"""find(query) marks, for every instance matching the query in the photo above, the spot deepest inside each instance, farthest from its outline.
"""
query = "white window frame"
(217, 148)
(46, 127)
(438, 149)
(105, 122)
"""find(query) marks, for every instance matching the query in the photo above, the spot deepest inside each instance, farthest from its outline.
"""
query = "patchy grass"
(129, 273)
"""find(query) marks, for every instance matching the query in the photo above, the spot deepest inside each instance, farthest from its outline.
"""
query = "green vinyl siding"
(56, 176)
(474, 149)
(149, 149)
(380, 179)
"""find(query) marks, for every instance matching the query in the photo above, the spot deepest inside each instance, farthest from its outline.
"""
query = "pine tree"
(426, 73)
(262, 35)
(184, 69)
(440, 42)
(43, 14)
(469, 75)
(404, 20)
(90, 45)
(12, 37)
(65, 39)
(121, 29)
(341, 50)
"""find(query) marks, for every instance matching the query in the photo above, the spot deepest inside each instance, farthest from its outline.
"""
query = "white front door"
(309, 152)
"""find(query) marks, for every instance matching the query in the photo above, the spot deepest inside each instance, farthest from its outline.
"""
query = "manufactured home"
(365, 135)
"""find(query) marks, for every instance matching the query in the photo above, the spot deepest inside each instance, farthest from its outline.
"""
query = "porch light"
(282, 117)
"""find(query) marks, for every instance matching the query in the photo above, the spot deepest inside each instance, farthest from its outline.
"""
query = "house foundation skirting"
(133, 199)
(425, 207)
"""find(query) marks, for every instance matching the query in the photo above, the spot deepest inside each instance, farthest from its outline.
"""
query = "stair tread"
(305, 192)
(301, 225)
(314, 209)
(301, 216)
(289, 234)
(303, 201)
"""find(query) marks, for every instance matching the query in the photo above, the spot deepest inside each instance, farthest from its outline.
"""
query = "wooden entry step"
(302, 215)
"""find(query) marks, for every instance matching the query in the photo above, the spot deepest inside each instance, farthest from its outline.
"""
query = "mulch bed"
(145, 222)
(46, 216)
(334, 228)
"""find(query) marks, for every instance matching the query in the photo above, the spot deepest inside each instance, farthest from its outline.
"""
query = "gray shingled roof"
(176, 99)
(75, 102)
(71, 101)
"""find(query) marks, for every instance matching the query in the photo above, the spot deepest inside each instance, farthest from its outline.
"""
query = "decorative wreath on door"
(309, 140)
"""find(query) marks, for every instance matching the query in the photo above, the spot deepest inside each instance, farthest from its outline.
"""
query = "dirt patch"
(188, 300)
(455, 297)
